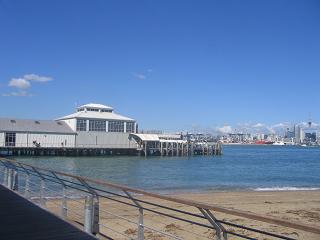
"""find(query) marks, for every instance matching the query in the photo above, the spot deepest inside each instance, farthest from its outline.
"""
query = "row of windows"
(97, 125)
(81, 125)
(94, 110)
(130, 127)
(115, 126)
(100, 126)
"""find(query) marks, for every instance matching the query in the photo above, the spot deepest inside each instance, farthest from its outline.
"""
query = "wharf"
(21, 219)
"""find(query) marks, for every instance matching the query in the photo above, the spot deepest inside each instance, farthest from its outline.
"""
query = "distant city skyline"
(171, 65)
(254, 128)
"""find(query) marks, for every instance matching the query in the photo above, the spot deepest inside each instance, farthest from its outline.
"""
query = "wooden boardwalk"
(21, 219)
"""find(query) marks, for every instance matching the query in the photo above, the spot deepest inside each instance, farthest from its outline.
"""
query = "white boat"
(279, 143)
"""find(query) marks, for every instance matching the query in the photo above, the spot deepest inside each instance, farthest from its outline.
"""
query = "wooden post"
(145, 149)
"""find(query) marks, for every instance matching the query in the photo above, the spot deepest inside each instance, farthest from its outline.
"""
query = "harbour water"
(240, 168)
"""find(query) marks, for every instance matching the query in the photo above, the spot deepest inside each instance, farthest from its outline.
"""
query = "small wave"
(287, 189)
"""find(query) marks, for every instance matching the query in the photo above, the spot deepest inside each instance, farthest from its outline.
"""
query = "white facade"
(105, 140)
(2, 142)
(72, 123)
(26, 140)
(44, 140)
(98, 118)
(27, 133)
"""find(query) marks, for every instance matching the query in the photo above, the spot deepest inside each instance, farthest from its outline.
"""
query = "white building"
(22, 133)
(299, 134)
(91, 126)
(98, 126)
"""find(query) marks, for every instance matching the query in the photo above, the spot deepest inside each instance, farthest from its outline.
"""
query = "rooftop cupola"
(94, 107)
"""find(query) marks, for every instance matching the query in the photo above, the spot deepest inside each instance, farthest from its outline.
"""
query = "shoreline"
(233, 190)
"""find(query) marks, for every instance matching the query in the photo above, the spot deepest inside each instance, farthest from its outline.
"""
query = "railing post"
(141, 226)
(42, 193)
(91, 215)
(15, 185)
(96, 217)
(91, 221)
(217, 226)
(64, 203)
(10, 178)
(27, 187)
(140, 223)
(88, 214)
(5, 176)
(64, 207)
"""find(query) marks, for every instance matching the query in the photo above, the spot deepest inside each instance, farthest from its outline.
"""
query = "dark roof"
(28, 125)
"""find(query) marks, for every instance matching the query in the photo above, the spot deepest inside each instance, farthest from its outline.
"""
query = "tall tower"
(309, 121)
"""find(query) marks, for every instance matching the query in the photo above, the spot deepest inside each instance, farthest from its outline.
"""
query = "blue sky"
(171, 65)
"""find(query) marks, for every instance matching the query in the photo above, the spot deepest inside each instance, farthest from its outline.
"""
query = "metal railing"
(112, 211)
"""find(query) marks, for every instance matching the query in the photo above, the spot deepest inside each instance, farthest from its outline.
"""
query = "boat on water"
(278, 143)
(263, 142)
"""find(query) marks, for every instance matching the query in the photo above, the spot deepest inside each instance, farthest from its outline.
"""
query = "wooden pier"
(174, 145)
(43, 151)
(146, 145)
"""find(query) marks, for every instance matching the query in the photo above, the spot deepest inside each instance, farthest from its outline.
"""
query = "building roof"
(97, 115)
(95, 105)
(145, 137)
(28, 125)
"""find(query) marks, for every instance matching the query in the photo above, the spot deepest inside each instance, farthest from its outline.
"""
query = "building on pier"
(92, 126)
(94, 129)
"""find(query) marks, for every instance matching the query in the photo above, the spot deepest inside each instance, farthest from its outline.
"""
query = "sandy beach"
(298, 206)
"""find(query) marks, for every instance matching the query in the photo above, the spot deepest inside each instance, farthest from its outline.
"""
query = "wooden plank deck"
(21, 219)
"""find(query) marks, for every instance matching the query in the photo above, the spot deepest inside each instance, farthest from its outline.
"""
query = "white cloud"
(17, 94)
(258, 125)
(36, 78)
(24, 83)
(280, 125)
(139, 76)
(224, 129)
(20, 83)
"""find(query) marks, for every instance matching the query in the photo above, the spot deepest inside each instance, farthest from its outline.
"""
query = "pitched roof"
(28, 125)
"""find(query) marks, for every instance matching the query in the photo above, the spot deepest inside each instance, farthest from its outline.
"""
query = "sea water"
(241, 167)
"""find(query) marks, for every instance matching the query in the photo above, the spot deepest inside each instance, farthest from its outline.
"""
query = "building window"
(130, 127)
(10, 140)
(92, 110)
(81, 125)
(116, 126)
(97, 125)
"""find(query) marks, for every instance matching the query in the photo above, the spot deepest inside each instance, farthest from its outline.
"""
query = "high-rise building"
(299, 134)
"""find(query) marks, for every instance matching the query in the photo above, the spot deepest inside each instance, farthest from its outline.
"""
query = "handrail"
(234, 212)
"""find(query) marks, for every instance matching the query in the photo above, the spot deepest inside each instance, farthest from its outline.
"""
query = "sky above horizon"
(171, 65)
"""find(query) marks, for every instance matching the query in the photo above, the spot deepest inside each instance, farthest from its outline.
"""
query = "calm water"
(240, 168)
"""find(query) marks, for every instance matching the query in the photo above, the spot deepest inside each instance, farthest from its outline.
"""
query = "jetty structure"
(94, 129)
(174, 145)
